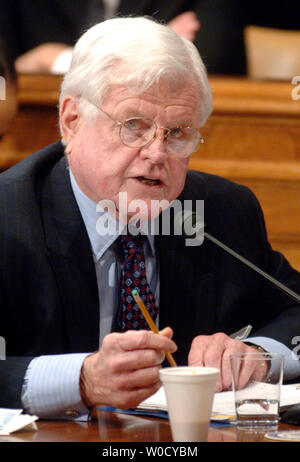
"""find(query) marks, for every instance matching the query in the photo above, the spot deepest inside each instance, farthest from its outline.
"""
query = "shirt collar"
(93, 215)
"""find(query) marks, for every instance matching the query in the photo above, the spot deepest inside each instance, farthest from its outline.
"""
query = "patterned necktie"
(133, 276)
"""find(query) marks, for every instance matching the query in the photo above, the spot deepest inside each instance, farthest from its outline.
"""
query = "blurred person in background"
(8, 90)
(41, 34)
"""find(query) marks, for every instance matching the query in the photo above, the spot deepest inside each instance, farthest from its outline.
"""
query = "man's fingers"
(213, 358)
(131, 360)
(141, 378)
(198, 348)
(143, 339)
(215, 350)
(245, 373)
(167, 332)
(130, 399)
(234, 346)
(207, 350)
(252, 370)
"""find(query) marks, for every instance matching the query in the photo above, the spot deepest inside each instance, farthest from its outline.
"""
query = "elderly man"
(130, 110)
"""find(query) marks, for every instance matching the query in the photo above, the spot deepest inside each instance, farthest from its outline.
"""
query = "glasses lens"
(137, 132)
(183, 141)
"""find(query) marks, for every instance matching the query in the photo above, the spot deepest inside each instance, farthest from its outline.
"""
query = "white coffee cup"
(189, 393)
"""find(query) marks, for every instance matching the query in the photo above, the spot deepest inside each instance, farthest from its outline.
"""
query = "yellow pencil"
(150, 322)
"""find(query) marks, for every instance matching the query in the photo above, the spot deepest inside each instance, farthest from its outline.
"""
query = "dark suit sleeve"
(273, 313)
(11, 381)
(280, 311)
(13, 370)
(41, 310)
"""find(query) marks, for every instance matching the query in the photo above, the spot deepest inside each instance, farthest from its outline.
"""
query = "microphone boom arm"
(278, 284)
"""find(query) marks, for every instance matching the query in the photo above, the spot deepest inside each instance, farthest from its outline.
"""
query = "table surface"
(114, 427)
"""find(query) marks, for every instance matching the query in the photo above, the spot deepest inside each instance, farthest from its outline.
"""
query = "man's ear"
(69, 118)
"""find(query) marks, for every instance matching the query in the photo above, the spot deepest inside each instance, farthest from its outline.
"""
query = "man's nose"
(157, 150)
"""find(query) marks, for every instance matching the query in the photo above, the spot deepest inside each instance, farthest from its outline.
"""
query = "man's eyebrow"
(131, 112)
(182, 123)
(128, 114)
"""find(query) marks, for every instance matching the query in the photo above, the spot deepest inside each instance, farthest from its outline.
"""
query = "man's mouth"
(149, 181)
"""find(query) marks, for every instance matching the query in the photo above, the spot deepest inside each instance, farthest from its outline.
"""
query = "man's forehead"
(129, 99)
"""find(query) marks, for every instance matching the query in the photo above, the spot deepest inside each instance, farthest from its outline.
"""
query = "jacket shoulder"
(35, 165)
(210, 186)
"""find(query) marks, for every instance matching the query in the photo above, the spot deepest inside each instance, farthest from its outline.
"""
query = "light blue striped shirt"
(51, 385)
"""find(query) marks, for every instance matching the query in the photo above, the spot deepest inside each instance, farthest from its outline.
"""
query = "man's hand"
(125, 371)
(40, 59)
(214, 351)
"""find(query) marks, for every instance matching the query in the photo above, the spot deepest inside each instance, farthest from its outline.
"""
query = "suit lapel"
(71, 259)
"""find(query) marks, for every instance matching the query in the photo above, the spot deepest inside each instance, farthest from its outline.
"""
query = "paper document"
(12, 420)
(224, 402)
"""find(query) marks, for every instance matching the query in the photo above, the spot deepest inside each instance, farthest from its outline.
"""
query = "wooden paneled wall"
(252, 137)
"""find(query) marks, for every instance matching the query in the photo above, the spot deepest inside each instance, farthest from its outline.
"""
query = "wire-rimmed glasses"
(137, 132)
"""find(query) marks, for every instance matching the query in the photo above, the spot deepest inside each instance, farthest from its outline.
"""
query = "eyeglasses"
(137, 132)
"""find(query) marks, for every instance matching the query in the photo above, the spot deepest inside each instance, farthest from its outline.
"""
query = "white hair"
(136, 53)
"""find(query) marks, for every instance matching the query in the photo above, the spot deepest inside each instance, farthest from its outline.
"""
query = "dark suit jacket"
(48, 289)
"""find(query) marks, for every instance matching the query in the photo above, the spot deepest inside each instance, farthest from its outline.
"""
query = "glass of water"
(256, 383)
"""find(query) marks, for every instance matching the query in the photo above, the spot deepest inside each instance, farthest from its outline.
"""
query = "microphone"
(192, 223)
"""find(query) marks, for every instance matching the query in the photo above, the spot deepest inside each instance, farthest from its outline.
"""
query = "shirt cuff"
(291, 368)
(51, 387)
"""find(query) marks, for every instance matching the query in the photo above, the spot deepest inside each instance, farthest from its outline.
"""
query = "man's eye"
(139, 125)
(133, 124)
(177, 132)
